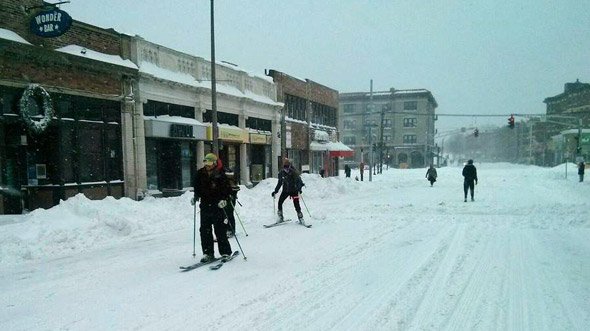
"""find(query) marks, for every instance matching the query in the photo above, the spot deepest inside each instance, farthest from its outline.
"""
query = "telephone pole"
(214, 127)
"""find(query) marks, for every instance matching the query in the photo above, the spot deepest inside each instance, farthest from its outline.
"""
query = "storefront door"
(11, 158)
(169, 165)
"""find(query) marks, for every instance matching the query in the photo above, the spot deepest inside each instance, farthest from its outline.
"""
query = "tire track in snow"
(395, 299)
(317, 308)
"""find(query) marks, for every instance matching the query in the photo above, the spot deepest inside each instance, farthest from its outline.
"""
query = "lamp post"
(214, 127)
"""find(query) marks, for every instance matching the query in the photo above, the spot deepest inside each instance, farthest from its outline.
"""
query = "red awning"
(341, 153)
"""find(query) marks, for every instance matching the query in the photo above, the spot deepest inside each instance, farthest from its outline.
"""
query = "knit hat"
(210, 159)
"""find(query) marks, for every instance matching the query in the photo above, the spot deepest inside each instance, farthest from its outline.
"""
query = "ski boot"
(300, 218)
(280, 215)
(207, 258)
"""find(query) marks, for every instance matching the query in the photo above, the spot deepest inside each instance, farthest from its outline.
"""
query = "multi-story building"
(174, 132)
(309, 133)
(572, 110)
(62, 96)
(399, 124)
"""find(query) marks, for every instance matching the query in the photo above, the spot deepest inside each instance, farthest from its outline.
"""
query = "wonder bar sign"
(51, 23)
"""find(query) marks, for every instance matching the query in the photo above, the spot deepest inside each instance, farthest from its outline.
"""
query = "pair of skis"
(216, 263)
(287, 221)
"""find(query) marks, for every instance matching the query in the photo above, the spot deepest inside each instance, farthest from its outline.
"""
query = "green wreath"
(29, 94)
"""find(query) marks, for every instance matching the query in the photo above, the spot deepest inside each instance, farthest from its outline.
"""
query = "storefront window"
(90, 145)
(9, 99)
(151, 164)
(155, 108)
(67, 150)
(113, 150)
(186, 157)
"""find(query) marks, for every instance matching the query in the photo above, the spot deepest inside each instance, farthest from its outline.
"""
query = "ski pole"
(239, 203)
(273, 206)
(194, 229)
(239, 219)
(234, 231)
(301, 195)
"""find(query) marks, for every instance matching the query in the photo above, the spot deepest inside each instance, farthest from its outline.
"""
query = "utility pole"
(214, 127)
(531, 142)
(381, 141)
(579, 147)
(371, 135)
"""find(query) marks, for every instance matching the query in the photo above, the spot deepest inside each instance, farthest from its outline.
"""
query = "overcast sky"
(476, 57)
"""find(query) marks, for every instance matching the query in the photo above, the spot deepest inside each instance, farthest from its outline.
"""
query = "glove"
(300, 191)
(273, 194)
(193, 200)
(222, 204)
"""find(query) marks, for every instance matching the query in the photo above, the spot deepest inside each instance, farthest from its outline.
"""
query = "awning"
(166, 126)
(229, 133)
(336, 149)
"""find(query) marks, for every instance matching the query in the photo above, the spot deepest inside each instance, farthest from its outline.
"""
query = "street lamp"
(214, 127)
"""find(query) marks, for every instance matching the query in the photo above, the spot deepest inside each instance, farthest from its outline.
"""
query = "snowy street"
(392, 254)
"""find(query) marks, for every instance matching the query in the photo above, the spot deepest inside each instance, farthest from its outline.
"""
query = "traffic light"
(511, 121)
(476, 132)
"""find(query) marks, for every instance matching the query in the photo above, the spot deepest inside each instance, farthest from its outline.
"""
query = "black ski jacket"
(470, 173)
(212, 187)
(290, 180)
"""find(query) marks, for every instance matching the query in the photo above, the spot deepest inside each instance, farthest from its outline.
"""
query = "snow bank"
(80, 224)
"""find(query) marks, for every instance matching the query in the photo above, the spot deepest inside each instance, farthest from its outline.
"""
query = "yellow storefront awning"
(260, 139)
(229, 133)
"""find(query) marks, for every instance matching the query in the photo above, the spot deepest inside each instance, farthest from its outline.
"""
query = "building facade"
(101, 113)
(570, 139)
(308, 124)
(398, 124)
(61, 105)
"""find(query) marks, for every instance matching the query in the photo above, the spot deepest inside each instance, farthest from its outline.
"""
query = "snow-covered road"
(387, 255)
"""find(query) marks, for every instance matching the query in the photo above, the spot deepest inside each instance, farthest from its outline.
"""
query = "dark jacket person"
(470, 177)
(292, 184)
(212, 189)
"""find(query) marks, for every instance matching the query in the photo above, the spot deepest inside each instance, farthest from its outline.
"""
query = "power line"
(443, 114)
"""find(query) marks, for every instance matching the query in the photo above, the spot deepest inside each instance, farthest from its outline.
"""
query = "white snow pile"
(79, 224)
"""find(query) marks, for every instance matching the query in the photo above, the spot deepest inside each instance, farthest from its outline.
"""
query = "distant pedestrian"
(581, 168)
(362, 170)
(347, 170)
(431, 174)
(470, 175)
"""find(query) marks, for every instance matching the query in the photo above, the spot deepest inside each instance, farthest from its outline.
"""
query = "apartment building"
(398, 124)
(309, 132)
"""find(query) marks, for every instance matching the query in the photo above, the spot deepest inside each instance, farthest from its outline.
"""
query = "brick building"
(309, 124)
(62, 110)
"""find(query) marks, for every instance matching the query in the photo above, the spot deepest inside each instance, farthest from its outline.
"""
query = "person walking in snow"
(212, 189)
(470, 177)
(581, 168)
(431, 174)
(292, 184)
(347, 170)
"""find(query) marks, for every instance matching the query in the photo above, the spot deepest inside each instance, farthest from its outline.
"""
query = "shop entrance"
(10, 161)
(169, 164)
